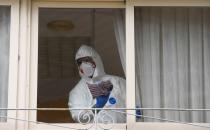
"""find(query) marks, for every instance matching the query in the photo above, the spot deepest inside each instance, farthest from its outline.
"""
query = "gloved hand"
(101, 101)
(101, 92)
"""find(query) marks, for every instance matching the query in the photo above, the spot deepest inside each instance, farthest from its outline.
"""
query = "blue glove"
(101, 101)
(138, 112)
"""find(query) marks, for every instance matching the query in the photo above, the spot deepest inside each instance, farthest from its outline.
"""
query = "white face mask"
(87, 69)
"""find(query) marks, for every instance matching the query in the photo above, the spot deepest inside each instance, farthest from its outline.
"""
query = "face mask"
(87, 69)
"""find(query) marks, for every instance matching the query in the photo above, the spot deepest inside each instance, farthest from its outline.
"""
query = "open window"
(60, 33)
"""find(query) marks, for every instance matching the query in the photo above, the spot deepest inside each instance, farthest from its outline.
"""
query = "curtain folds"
(119, 28)
(173, 61)
(4, 57)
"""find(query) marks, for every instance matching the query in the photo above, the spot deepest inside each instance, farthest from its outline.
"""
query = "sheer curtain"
(173, 61)
(119, 28)
(4, 57)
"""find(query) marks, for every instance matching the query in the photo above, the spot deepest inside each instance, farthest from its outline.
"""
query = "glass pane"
(173, 62)
(72, 45)
(4, 58)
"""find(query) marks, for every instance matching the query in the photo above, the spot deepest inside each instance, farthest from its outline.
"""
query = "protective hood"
(85, 51)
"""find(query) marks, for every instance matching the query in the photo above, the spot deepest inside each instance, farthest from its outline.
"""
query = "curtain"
(4, 57)
(173, 61)
(119, 28)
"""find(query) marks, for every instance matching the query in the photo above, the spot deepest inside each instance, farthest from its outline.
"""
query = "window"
(8, 62)
(40, 50)
(172, 62)
(4, 59)
(61, 32)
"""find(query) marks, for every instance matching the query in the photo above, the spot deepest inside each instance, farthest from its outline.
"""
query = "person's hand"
(101, 101)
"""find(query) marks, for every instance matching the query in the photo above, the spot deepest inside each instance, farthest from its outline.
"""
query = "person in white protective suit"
(96, 89)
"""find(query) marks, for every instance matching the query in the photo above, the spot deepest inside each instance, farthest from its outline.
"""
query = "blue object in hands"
(101, 101)
(138, 112)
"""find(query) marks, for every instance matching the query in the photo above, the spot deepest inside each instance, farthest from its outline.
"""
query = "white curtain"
(4, 57)
(173, 61)
(119, 28)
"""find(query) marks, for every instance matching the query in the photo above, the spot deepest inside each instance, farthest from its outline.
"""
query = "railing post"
(96, 118)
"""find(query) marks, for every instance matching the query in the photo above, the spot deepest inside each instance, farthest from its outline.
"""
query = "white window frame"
(131, 4)
(34, 58)
(13, 63)
(130, 57)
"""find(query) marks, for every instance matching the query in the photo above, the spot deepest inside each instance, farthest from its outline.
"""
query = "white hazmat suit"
(80, 96)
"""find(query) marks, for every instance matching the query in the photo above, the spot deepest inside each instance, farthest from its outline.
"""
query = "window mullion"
(130, 63)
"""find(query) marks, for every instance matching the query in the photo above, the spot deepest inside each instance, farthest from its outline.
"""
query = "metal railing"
(101, 117)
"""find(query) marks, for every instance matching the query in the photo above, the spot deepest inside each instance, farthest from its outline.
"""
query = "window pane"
(4, 58)
(173, 62)
(66, 38)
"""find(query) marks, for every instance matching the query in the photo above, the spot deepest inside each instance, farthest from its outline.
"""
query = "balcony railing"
(101, 117)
